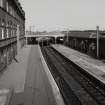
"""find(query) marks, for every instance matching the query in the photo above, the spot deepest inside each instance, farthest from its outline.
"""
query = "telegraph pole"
(97, 41)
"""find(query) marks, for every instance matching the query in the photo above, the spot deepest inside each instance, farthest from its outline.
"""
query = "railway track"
(76, 86)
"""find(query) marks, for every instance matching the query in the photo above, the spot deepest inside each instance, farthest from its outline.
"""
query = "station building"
(12, 30)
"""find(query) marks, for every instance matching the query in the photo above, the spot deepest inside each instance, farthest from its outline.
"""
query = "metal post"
(47, 42)
(30, 30)
(38, 42)
(67, 36)
(33, 29)
(42, 42)
(97, 41)
(26, 40)
(55, 40)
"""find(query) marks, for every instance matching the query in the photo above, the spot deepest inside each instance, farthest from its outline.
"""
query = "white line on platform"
(55, 89)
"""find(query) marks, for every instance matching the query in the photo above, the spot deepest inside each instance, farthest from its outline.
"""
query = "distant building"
(12, 26)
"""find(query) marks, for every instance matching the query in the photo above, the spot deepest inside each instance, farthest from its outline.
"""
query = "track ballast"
(76, 86)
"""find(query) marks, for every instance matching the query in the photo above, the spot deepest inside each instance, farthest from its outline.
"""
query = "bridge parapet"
(53, 35)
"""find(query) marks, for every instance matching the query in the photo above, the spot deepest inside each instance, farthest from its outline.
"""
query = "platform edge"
(56, 92)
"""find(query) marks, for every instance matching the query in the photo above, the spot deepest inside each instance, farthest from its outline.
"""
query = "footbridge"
(33, 39)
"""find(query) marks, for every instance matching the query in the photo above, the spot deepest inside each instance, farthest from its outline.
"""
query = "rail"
(77, 86)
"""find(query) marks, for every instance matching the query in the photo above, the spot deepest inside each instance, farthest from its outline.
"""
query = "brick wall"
(10, 17)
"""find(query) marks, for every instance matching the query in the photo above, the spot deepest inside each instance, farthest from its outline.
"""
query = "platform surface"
(38, 90)
(93, 66)
(14, 75)
(29, 79)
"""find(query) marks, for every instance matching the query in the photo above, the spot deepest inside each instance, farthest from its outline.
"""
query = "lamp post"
(55, 40)
(30, 29)
(97, 41)
(67, 36)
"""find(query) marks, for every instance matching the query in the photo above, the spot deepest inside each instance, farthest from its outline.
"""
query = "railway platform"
(93, 66)
(31, 79)
(40, 87)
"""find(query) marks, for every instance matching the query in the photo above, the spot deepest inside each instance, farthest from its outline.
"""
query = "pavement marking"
(55, 89)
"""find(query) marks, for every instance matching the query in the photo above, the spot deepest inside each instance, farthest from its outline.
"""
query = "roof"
(19, 7)
(84, 34)
(43, 38)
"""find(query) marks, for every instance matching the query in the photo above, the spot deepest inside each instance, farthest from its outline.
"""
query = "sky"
(64, 14)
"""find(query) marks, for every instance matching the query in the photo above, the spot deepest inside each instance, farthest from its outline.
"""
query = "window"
(3, 22)
(7, 33)
(2, 33)
(2, 29)
(0, 21)
(7, 7)
(11, 10)
(1, 3)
